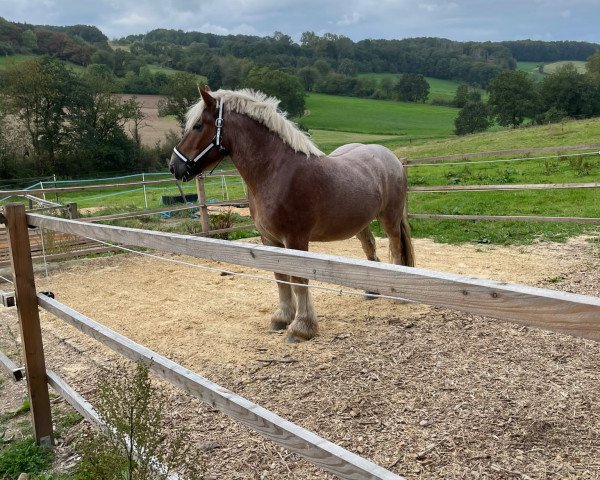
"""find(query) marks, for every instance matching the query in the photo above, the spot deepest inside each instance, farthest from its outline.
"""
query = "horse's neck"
(257, 153)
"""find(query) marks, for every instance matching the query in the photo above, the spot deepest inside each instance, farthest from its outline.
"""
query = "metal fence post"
(29, 322)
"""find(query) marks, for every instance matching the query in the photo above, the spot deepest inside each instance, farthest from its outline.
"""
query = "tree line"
(324, 63)
(516, 97)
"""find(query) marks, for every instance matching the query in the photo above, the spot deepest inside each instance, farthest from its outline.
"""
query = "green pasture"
(572, 132)
(6, 60)
(407, 121)
(531, 68)
(552, 67)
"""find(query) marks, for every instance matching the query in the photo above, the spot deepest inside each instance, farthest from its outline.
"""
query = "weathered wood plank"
(507, 218)
(29, 322)
(11, 367)
(315, 449)
(82, 406)
(567, 313)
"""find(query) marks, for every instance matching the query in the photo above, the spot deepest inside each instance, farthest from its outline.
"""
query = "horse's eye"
(197, 127)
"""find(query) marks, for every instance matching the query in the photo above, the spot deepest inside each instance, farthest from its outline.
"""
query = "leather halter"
(215, 143)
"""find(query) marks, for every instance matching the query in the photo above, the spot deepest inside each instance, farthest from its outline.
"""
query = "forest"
(58, 112)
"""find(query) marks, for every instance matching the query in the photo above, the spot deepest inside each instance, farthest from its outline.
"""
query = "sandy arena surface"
(426, 392)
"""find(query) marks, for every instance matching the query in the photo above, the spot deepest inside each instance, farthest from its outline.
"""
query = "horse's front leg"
(286, 311)
(304, 326)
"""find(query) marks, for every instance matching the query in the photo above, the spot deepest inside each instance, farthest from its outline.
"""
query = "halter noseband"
(215, 143)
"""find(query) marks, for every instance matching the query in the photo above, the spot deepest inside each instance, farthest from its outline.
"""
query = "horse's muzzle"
(178, 168)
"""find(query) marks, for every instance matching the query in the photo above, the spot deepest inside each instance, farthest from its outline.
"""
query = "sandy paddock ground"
(426, 392)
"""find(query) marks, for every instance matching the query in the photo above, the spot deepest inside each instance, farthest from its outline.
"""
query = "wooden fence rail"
(553, 310)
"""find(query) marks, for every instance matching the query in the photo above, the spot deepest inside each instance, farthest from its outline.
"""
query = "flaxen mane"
(263, 109)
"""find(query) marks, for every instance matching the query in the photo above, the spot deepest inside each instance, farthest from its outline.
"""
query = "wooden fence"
(553, 310)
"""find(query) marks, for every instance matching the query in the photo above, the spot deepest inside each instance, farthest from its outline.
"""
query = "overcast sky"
(358, 19)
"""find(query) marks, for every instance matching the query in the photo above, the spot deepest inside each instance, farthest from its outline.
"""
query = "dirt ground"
(425, 392)
(154, 128)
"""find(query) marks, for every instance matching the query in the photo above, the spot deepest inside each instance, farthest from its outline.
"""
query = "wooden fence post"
(202, 202)
(29, 322)
(73, 212)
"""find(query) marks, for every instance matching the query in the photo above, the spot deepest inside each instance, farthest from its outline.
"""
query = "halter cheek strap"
(215, 143)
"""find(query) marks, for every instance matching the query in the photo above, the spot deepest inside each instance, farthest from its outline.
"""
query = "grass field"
(552, 67)
(400, 122)
(549, 68)
(14, 59)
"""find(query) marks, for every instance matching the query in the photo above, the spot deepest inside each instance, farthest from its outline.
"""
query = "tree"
(472, 118)
(513, 96)
(181, 93)
(308, 76)
(40, 95)
(412, 88)
(281, 85)
(593, 64)
(72, 122)
(564, 90)
(385, 89)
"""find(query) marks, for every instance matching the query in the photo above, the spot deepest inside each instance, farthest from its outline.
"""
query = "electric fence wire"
(253, 277)
(500, 160)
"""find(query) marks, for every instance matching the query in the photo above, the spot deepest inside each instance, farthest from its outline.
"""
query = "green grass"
(8, 60)
(531, 68)
(552, 67)
(408, 121)
(24, 456)
(574, 132)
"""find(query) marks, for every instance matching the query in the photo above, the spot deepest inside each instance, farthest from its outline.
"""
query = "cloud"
(351, 19)
(357, 19)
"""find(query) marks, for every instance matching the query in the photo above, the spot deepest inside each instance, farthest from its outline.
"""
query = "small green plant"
(24, 456)
(135, 445)
(581, 166)
(222, 221)
(24, 408)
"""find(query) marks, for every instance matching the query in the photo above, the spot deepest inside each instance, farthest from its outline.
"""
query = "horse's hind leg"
(397, 228)
(286, 310)
(367, 240)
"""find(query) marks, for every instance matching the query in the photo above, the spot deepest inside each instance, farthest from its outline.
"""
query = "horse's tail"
(408, 252)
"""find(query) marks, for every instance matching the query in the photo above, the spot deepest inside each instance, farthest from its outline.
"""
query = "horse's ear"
(200, 88)
(209, 100)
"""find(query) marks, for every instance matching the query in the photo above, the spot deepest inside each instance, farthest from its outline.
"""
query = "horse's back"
(377, 159)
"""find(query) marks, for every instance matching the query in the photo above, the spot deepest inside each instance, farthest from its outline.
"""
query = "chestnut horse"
(296, 193)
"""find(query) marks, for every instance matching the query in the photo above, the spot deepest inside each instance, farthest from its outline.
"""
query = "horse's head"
(201, 147)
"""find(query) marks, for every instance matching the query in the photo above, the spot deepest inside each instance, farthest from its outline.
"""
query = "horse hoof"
(371, 295)
(277, 326)
(294, 339)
